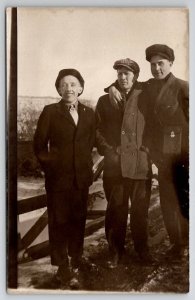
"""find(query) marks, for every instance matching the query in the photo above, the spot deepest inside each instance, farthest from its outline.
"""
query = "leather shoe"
(113, 261)
(63, 274)
(75, 281)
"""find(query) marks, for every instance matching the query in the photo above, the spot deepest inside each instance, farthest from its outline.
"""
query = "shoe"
(113, 262)
(75, 281)
(87, 266)
(63, 274)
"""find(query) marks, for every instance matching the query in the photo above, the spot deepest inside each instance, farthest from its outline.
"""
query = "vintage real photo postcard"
(97, 150)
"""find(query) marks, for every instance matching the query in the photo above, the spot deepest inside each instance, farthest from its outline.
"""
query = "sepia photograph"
(97, 150)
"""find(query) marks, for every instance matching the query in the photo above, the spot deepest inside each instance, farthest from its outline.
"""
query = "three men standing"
(150, 122)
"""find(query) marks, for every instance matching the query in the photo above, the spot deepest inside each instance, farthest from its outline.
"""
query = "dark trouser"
(117, 194)
(175, 222)
(67, 212)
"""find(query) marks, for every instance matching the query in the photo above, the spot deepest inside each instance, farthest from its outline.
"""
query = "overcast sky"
(91, 40)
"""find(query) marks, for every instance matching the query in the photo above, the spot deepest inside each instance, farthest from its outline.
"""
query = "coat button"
(133, 134)
(123, 132)
(133, 113)
(133, 153)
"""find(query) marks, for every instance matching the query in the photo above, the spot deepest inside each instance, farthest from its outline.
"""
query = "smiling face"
(69, 88)
(125, 79)
(160, 67)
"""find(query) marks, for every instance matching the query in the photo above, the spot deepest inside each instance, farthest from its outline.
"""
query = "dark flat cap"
(127, 63)
(159, 49)
(72, 72)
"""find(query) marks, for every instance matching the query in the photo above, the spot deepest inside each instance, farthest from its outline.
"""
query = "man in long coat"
(127, 170)
(63, 142)
(167, 137)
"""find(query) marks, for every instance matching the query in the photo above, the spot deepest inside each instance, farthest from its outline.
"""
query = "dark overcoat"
(64, 149)
(167, 130)
(124, 129)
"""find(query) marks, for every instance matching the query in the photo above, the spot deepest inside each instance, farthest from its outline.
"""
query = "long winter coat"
(64, 149)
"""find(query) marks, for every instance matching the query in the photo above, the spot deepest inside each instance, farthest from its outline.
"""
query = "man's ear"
(59, 91)
(171, 63)
(80, 89)
(135, 77)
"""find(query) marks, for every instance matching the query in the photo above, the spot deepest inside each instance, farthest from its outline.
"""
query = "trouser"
(117, 195)
(67, 212)
(175, 221)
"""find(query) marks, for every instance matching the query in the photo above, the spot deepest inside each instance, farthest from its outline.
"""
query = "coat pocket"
(143, 164)
(172, 139)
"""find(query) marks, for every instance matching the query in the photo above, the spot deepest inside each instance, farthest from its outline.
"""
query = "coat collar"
(132, 96)
(167, 92)
(64, 111)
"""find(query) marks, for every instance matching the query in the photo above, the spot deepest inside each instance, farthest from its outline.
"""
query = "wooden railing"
(26, 252)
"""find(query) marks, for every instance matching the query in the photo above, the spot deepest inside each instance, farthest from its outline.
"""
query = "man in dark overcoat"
(167, 135)
(63, 143)
(127, 170)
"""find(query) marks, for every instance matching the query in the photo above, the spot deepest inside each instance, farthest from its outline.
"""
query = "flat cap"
(72, 72)
(159, 49)
(127, 63)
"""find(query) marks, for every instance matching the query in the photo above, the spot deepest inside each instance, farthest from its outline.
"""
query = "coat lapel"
(132, 100)
(167, 93)
(132, 107)
(64, 112)
(82, 117)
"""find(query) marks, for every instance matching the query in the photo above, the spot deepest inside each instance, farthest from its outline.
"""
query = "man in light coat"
(127, 170)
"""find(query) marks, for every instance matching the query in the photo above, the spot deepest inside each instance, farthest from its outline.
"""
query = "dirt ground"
(165, 275)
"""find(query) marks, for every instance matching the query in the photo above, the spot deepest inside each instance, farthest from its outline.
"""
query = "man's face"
(69, 88)
(160, 67)
(125, 79)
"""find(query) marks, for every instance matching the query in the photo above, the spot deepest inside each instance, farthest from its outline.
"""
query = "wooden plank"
(35, 252)
(32, 203)
(42, 222)
(34, 231)
(91, 214)
(42, 249)
(94, 225)
(98, 168)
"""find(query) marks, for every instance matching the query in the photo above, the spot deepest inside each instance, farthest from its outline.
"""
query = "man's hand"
(114, 96)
